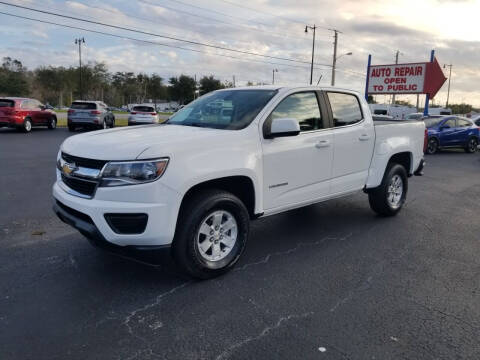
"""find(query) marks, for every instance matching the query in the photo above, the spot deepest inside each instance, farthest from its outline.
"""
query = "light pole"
(335, 59)
(79, 41)
(313, 48)
(449, 77)
(396, 62)
(273, 76)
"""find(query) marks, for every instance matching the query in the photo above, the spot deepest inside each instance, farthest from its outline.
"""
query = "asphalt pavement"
(329, 281)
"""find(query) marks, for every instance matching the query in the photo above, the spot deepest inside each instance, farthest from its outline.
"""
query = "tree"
(182, 89)
(13, 78)
(460, 108)
(155, 88)
(371, 100)
(209, 83)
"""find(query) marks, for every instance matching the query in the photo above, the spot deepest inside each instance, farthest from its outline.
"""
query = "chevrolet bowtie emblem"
(69, 168)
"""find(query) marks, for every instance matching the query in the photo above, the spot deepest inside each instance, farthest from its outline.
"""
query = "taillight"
(71, 111)
(133, 113)
(153, 113)
(425, 140)
(95, 112)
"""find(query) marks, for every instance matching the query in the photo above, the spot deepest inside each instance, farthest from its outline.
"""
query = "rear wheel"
(389, 197)
(52, 124)
(471, 146)
(211, 234)
(432, 146)
(27, 125)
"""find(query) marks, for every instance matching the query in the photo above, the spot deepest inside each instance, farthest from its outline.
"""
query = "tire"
(52, 125)
(112, 124)
(381, 199)
(104, 125)
(432, 146)
(471, 146)
(27, 125)
(198, 240)
(71, 128)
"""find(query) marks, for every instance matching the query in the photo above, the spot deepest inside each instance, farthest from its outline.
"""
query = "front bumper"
(157, 201)
(88, 229)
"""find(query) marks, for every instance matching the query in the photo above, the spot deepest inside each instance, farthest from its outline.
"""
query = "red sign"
(417, 78)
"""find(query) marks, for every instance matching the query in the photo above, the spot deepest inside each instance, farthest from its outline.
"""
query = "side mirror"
(42, 107)
(282, 127)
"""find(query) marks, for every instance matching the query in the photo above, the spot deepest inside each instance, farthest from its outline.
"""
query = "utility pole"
(449, 77)
(273, 76)
(233, 80)
(314, 28)
(334, 64)
(79, 41)
(396, 62)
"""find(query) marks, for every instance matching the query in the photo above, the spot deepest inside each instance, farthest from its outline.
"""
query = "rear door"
(354, 139)
(464, 130)
(297, 169)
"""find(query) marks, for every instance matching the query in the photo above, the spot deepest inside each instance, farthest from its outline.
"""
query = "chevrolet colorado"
(191, 186)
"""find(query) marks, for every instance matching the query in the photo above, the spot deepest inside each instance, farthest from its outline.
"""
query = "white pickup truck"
(191, 186)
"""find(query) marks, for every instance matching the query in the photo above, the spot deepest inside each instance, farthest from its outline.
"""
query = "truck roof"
(287, 88)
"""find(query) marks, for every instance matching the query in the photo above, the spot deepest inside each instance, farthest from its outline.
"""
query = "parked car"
(382, 118)
(191, 186)
(451, 132)
(143, 114)
(90, 114)
(24, 113)
(414, 116)
(476, 119)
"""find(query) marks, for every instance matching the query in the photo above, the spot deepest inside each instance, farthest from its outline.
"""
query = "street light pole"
(314, 28)
(396, 62)
(273, 76)
(334, 64)
(449, 77)
(79, 41)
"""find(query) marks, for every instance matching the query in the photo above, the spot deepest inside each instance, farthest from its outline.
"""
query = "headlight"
(132, 172)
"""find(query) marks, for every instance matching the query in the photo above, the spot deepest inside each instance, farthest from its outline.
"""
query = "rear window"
(83, 106)
(7, 103)
(143, 109)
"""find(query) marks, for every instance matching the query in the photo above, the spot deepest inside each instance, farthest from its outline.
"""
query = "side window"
(25, 104)
(345, 108)
(463, 123)
(302, 107)
(450, 123)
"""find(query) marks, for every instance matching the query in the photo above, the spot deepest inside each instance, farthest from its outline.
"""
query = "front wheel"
(389, 197)
(211, 234)
(432, 146)
(471, 146)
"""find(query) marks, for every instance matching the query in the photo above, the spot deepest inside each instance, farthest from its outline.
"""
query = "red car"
(24, 113)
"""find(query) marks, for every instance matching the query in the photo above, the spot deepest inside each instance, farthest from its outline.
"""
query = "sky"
(274, 28)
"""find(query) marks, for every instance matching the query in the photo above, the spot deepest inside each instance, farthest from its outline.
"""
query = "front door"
(447, 133)
(297, 169)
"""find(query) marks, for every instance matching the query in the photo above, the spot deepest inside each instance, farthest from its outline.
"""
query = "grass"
(118, 122)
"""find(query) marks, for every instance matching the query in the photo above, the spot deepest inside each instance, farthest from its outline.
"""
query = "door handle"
(364, 137)
(322, 144)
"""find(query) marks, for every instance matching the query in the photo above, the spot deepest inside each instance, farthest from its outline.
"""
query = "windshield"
(414, 116)
(148, 109)
(83, 106)
(228, 109)
(431, 122)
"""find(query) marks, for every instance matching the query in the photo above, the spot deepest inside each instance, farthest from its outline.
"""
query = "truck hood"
(128, 143)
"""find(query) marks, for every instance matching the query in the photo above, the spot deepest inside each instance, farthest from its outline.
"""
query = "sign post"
(414, 78)
(427, 98)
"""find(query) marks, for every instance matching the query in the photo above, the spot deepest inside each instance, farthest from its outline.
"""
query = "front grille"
(81, 186)
(127, 223)
(84, 162)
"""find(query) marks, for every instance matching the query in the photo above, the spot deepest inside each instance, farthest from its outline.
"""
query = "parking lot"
(330, 281)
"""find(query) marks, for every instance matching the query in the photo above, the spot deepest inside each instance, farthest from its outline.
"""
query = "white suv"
(143, 114)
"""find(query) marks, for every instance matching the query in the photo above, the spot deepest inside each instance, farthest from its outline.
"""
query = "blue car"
(451, 132)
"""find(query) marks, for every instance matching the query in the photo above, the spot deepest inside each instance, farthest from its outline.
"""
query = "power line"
(214, 19)
(153, 42)
(158, 35)
(269, 14)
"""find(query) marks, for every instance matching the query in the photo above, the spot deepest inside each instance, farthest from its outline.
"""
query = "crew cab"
(24, 113)
(192, 185)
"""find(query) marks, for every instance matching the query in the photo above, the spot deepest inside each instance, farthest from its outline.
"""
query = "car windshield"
(431, 122)
(148, 109)
(7, 103)
(83, 106)
(414, 116)
(227, 109)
